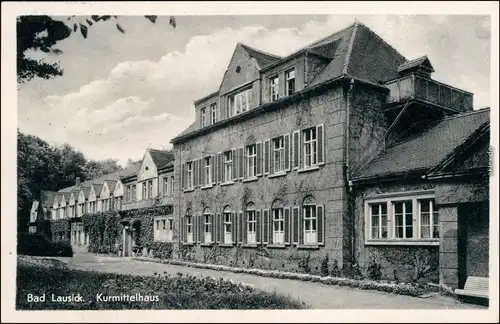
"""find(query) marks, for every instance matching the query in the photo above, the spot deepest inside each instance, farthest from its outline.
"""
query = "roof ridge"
(260, 51)
(383, 40)
(349, 49)
(466, 113)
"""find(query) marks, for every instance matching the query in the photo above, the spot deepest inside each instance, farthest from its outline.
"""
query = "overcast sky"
(122, 93)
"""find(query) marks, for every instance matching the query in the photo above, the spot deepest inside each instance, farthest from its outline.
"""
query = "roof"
(86, 191)
(416, 62)
(424, 150)
(161, 158)
(47, 198)
(263, 59)
(111, 185)
(97, 189)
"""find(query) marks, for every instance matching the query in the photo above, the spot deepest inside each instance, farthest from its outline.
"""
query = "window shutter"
(295, 225)
(296, 150)
(234, 164)
(183, 181)
(213, 228)
(266, 157)
(245, 227)
(271, 157)
(241, 162)
(320, 214)
(265, 227)
(194, 228)
(221, 167)
(258, 229)
(218, 227)
(213, 168)
(259, 158)
(245, 163)
(286, 143)
(240, 228)
(301, 226)
(195, 173)
(182, 235)
(321, 143)
(201, 172)
(301, 148)
(234, 228)
(202, 228)
(287, 227)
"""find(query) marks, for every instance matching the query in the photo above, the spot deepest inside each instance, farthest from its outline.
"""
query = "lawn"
(64, 287)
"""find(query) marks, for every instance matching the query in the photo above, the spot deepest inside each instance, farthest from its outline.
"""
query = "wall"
(406, 263)
(297, 63)
(325, 184)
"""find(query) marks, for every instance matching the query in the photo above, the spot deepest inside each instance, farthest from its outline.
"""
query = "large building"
(344, 152)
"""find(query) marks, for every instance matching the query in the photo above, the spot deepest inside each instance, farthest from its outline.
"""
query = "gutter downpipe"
(350, 209)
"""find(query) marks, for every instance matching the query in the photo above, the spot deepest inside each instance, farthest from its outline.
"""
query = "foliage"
(324, 266)
(181, 292)
(373, 271)
(60, 228)
(162, 250)
(335, 269)
(104, 231)
(42, 33)
(304, 265)
(37, 245)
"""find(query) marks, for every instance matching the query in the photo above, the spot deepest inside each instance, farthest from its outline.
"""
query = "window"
(207, 225)
(190, 174)
(163, 229)
(228, 166)
(429, 225)
(407, 217)
(150, 189)
(171, 185)
(251, 225)
(279, 154)
(290, 82)
(310, 223)
(251, 161)
(144, 190)
(203, 117)
(208, 171)
(310, 148)
(165, 186)
(278, 226)
(189, 228)
(134, 193)
(228, 239)
(275, 88)
(213, 111)
(239, 102)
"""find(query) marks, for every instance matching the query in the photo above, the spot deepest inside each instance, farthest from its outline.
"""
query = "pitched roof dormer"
(421, 66)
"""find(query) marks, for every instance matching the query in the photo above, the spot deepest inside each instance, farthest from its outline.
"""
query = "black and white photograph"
(222, 156)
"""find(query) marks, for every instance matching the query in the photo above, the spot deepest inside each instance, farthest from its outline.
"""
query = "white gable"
(104, 191)
(118, 189)
(56, 202)
(71, 199)
(92, 195)
(81, 197)
(63, 201)
(148, 168)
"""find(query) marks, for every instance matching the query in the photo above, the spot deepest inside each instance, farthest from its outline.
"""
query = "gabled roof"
(161, 158)
(263, 59)
(97, 189)
(111, 185)
(47, 198)
(424, 150)
(86, 191)
(422, 61)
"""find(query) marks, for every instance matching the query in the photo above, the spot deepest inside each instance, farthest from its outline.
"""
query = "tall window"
(406, 217)
(213, 112)
(310, 147)
(278, 224)
(144, 190)
(165, 186)
(275, 88)
(228, 239)
(150, 189)
(310, 222)
(279, 154)
(228, 166)
(251, 161)
(208, 170)
(207, 225)
(190, 174)
(239, 102)
(189, 227)
(163, 229)
(290, 82)
(203, 117)
(251, 224)
(171, 185)
(134, 193)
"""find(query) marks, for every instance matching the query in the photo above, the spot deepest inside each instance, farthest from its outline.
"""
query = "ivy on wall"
(104, 231)
(60, 229)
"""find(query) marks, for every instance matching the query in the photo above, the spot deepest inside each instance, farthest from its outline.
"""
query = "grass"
(181, 292)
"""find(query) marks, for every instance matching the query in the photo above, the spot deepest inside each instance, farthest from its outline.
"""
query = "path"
(318, 295)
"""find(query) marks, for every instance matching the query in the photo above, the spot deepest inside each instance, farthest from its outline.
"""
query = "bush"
(38, 245)
(373, 271)
(324, 267)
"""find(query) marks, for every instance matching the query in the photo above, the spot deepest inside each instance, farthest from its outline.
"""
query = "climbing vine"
(60, 230)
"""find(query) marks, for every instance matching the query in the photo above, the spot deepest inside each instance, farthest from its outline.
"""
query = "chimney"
(77, 181)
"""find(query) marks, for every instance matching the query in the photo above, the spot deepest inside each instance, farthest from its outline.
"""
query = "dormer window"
(239, 102)
(203, 117)
(213, 112)
(290, 82)
(275, 88)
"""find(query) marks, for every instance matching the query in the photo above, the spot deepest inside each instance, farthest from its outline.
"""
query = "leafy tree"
(41, 33)
(96, 169)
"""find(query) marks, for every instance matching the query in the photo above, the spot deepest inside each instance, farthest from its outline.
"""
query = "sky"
(121, 93)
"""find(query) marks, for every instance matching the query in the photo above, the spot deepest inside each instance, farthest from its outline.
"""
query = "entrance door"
(127, 242)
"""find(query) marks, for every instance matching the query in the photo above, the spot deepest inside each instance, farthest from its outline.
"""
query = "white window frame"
(251, 225)
(433, 216)
(251, 156)
(311, 219)
(144, 190)
(213, 112)
(207, 172)
(227, 222)
(189, 228)
(290, 76)
(190, 175)
(415, 197)
(278, 154)
(204, 117)
(207, 226)
(274, 84)
(310, 156)
(166, 186)
(239, 102)
(228, 166)
(278, 225)
(172, 185)
(150, 189)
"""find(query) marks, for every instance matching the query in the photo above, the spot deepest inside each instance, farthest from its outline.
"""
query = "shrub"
(373, 271)
(38, 245)
(335, 269)
(324, 266)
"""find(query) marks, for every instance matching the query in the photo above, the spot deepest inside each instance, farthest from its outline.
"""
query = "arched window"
(189, 226)
(310, 223)
(207, 224)
(227, 223)
(278, 222)
(251, 221)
